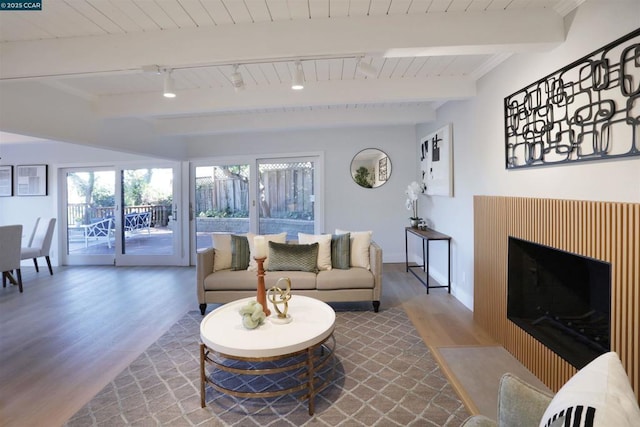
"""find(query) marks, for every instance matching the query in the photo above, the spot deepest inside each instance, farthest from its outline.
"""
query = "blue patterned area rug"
(384, 376)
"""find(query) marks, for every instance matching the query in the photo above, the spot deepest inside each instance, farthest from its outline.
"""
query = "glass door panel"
(221, 201)
(286, 196)
(147, 220)
(89, 214)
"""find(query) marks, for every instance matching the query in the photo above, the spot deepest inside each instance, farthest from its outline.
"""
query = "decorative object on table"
(278, 296)
(252, 315)
(31, 180)
(260, 246)
(370, 168)
(413, 190)
(436, 162)
(586, 110)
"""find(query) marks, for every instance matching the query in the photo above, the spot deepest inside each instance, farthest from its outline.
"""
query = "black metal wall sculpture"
(588, 110)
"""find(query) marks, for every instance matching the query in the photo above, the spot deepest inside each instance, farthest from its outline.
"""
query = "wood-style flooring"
(70, 334)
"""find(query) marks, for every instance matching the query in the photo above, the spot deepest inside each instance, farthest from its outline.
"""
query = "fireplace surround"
(608, 231)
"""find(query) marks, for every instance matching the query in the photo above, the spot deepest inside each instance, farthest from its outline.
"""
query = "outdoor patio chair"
(137, 221)
(10, 241)
(40, 244)
(102, 228)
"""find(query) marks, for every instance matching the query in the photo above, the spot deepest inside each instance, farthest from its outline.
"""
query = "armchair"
(40, 243)
(10, 241)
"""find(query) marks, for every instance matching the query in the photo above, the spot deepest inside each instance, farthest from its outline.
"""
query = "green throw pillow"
(239, 252)
(295, 257)
(341, 251)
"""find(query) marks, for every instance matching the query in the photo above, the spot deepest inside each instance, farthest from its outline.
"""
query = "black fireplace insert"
(561, 299)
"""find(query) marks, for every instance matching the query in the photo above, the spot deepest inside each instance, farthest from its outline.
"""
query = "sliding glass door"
(265, 196)
(122, 216)
(88, 219)
(221, 201)
(286, 196)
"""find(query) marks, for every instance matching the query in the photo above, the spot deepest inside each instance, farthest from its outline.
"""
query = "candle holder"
(262, 293)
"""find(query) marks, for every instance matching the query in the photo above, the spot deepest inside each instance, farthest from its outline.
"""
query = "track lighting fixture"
(298, 78)
(236, 79)
(169, 91)
(367, 69)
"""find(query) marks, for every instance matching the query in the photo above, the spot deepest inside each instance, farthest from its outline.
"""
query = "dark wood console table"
(427, 236)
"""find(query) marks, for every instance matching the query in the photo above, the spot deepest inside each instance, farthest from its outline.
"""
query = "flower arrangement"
(412, 192)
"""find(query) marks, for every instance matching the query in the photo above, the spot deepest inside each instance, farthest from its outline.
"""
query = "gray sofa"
(335, 285)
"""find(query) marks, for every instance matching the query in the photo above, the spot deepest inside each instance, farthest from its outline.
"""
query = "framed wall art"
(436, 162)
(31, 180)
(587, 110)
(382, 169)
(6, 181)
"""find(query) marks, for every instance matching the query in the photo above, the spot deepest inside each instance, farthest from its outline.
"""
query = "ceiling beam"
(389, 35)
(313, 118)
(324, 93)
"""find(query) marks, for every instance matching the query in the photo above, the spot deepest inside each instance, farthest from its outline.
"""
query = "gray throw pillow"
(341, 251)
(295, 257)
(239, 252)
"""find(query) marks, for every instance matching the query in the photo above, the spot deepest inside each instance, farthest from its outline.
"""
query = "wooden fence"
(284, 193)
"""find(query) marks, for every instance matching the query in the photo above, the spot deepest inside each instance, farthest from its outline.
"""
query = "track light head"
(367, 69)
(236, 79)
(169, 90)
(298, 78)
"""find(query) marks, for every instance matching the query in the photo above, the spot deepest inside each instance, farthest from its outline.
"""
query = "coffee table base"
(316, 365)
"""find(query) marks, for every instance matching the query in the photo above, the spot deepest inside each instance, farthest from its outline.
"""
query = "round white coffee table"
(271, 349)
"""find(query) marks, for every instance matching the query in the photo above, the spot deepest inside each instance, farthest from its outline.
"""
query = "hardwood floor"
(69, 334)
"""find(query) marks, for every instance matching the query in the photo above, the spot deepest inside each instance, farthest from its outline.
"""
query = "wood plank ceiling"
(89, 48)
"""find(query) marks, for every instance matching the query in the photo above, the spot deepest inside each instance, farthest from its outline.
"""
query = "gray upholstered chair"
(519, 405)
(40, 244)
(33, 232)
(10, 241)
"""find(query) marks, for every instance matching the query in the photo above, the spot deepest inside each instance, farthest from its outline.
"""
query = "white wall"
(24, 210)
(478, 134)
(347, 205)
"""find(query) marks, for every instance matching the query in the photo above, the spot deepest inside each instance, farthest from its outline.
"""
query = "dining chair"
(33, 232)
(10, 241)
(41, 244)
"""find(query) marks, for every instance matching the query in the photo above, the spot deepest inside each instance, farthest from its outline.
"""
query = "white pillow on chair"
(599, 394)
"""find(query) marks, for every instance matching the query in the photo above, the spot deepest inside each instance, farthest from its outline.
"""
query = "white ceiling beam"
(323, 93)
(315, 118)
(441, 33)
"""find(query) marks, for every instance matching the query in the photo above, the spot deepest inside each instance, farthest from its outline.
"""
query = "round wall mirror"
(370, 168)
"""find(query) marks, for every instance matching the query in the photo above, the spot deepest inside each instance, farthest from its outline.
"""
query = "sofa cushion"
(324, 250)
(279, 238)
(354, 278)
(298, 257)
(360, 241)
(599, 394)
(221, 242)
(341, 251)
(239, 252)
(229, 280)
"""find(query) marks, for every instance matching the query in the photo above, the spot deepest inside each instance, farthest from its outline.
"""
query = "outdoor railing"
(86, 214)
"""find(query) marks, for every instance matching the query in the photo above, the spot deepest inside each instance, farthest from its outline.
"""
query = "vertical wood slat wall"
(603, 230)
